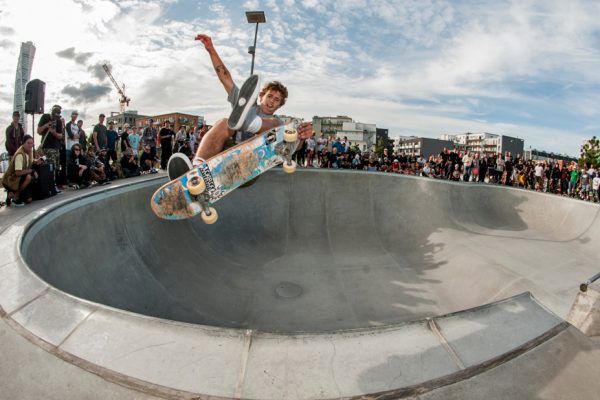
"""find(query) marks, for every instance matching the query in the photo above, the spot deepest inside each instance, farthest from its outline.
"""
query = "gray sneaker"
(246, 99)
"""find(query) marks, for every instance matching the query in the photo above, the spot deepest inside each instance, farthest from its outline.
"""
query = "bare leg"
(212, 143)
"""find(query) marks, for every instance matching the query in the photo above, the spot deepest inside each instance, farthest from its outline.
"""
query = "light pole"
(254, 17)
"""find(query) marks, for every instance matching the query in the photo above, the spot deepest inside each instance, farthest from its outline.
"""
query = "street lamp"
(254, 17)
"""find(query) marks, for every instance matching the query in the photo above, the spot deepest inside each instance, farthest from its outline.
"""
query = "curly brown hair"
(276, 86)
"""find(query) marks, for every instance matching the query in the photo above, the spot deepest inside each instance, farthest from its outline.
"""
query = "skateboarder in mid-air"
(247, 118)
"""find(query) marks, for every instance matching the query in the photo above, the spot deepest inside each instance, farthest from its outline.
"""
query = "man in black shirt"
(125, 144)
(99, 138)
(82, 136)
(556, 174)
(51, 127)
(403, 159)
(508, 167)
(452, 161)
(444, 156)
(166, 145)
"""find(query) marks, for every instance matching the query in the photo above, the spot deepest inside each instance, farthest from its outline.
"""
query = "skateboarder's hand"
(206, 41)
(305, 130)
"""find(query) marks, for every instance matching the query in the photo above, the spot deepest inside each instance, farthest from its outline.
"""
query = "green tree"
(379, 146)
(590, 153)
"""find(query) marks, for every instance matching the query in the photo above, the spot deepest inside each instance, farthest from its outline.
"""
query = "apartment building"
(176, 118)
(487, 143)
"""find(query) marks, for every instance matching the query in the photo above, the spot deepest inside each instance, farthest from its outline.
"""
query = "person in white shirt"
(311, 145)
(193, 137)
(595, 188)
(592, 172)
(467, 165)
(72, 130)
(321, 144)
(346, 144)
(181, 137)
(539, 176)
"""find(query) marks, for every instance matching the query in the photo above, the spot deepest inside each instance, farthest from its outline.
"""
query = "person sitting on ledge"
(147, 160)
(95, 167)
(129, 164)
(79, 173)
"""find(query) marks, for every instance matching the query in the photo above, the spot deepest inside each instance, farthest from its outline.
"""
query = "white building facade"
(487, 143)
(360, 134)
(329, 125)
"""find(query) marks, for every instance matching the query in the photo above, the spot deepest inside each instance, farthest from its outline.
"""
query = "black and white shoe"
(178, 165)
(246, 99)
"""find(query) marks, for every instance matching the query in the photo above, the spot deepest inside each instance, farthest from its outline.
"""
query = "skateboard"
(198, 189)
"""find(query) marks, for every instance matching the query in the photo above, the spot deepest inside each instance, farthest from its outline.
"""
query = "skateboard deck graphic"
(224, 173)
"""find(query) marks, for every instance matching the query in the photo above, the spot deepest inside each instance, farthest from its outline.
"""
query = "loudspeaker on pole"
(34, 96)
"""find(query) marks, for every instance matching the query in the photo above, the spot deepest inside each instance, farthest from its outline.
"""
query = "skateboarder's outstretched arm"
(220, 68)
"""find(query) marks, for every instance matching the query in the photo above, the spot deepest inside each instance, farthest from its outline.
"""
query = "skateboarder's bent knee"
(212, 143)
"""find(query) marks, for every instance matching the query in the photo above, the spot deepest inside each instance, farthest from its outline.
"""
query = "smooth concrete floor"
(321, 251)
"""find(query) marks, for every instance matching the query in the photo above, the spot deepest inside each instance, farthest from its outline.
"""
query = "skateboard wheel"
(195, 184)
(211, 218)
(290, 136)
(242, 102)
(289, 168)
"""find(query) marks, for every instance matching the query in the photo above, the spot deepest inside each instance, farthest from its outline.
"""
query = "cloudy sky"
(521, 68)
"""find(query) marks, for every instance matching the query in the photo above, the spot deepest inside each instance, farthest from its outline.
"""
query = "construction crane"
(124, 100)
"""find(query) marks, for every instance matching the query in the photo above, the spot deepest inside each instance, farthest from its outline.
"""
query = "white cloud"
(410, 66)
(251, 5)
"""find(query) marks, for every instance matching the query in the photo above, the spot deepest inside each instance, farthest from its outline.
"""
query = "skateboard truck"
(197, 188)
(209, 214)
(290, 138)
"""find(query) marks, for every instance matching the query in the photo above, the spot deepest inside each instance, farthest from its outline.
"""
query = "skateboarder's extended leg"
(247, 95)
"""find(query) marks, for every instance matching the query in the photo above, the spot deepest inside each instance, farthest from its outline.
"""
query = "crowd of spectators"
(77, 159)
(558, 177)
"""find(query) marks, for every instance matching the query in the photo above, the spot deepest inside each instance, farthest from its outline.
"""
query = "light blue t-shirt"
(134, 140)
